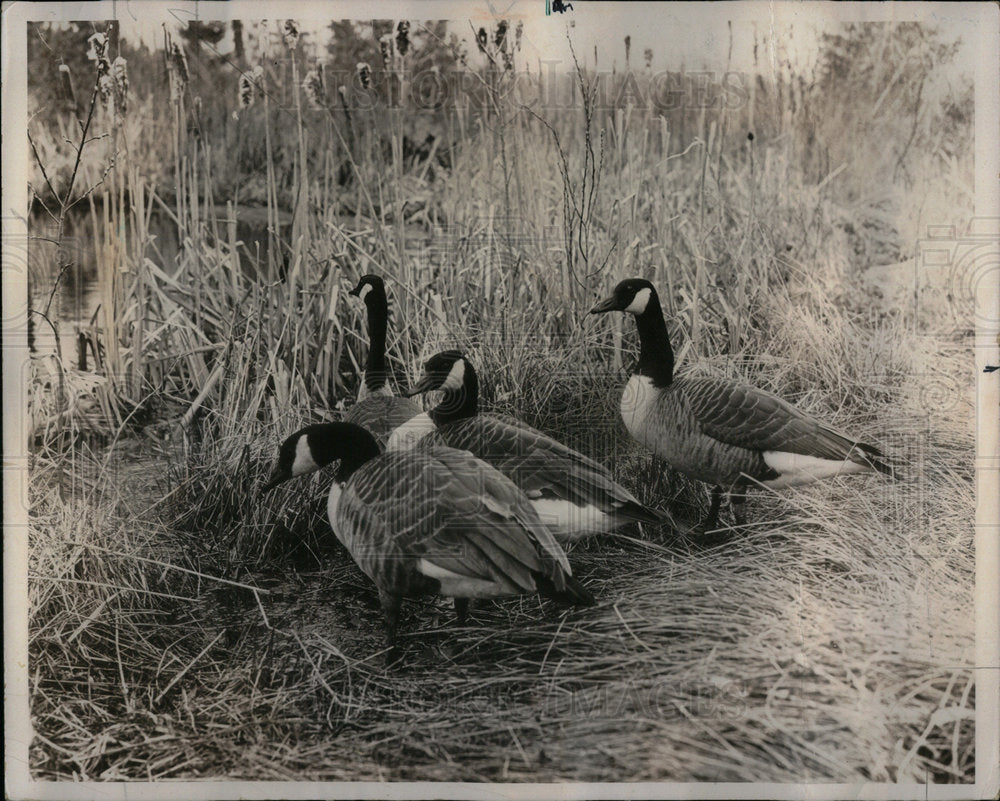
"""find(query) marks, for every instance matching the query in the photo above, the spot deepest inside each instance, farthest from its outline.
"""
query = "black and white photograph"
(501, 400)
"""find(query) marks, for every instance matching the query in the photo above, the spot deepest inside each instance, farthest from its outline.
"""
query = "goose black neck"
(328, 442)
(376, 370)
(349, 464)
(458, 404)
(357, 447)
(656, 357)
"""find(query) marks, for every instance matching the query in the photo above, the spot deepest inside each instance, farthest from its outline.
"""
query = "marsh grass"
(185, 626)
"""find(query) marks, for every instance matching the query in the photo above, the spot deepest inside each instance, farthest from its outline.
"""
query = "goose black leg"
(462, 610)
(711, 523)
(711, 520)
(390, 607)
(738, 502)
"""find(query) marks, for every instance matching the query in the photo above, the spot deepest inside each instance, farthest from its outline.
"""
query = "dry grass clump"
(185, 626)
(749, 661)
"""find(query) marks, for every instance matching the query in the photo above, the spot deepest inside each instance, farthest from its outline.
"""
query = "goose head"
(370, 288)
(447, 371)
(316, 446)
(631, 295)
(452, 373)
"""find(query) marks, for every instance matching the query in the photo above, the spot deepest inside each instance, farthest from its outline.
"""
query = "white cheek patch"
(303, 462)
(364, 291)
(456, 377)
(639, 302)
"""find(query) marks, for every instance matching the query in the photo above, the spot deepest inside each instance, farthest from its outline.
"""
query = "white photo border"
(15, 178)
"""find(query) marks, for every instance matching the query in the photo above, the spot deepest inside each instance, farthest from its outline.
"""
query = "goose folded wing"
(538, 464)
(471, 549)
(366, 526)
(444, 507)
(381, 414)
(397, 518)
(484, 495)
(744, 416)
(511, 421)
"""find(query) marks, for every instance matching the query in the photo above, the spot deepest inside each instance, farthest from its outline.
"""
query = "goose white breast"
(410, 433)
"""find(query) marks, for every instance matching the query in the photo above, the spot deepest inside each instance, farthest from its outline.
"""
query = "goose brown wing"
(742, 415)
(537, 464)
(450, 509)
(491, 498)
(382, 414)
(511, 420)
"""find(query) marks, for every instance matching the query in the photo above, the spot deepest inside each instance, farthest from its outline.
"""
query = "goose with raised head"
(575, 496)
(430, 521)
(377, 408)
(719, 430)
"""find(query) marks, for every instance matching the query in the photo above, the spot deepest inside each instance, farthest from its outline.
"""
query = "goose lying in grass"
(574, 495)
(719, 430)
(377, 409)
(430, 521)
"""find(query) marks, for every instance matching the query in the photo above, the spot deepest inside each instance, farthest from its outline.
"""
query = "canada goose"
(574, 496)
(430, 521)
(718, 430)
(377, 409)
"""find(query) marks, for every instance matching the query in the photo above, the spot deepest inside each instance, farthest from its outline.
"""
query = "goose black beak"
(276, 479)
(425, 384)
(354, 292)
(606, 305)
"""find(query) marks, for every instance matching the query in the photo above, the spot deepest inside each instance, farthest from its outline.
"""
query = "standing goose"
(574, 496)
(718, 430)
(377, 409)
(430, 521)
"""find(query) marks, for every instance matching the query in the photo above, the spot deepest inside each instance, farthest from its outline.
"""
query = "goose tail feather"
(876, 459)
(573, 593)
(886, 469)
(643, 514)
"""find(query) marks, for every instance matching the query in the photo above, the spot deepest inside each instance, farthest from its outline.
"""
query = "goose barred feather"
(453, 511)
(541, 466)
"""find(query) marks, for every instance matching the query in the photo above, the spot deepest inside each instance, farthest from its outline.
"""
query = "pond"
(71, 300)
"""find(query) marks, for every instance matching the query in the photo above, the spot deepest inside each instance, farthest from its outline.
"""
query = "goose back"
(722, 431)
(575, 495)
(449, 524)
(382, 413)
